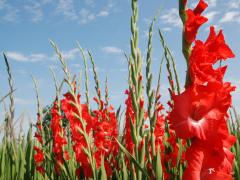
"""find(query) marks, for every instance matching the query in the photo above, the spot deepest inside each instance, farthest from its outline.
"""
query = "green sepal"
(158, 171)
(136, 38)
(136, 15)
(133, 50)
(133, 5)
(133, 130)
(134, 75)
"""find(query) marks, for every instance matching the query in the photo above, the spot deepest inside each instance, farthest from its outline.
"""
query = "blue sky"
(103, 27)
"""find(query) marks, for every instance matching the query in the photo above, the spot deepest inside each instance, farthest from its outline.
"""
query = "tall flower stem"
(186, 48)
(73, 93)
(11, 97)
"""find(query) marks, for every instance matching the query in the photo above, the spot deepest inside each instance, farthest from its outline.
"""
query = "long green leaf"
(158, 171)
(133, 160)
(102, 175)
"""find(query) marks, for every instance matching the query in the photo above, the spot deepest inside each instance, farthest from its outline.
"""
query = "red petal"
(200, 7)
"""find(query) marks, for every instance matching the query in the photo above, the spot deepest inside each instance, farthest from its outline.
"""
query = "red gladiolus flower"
(39, 138)
(39, 156)
(195, 20)
(129, 110)
(205, 164)
(200, 8)
(185, 2)
(203, 56)
(40, 169)
(104, 137)
(39, 126)
(199, 109)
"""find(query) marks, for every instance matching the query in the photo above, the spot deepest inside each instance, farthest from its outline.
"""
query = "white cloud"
(23, 101)
(36, 10)
(66, 8)
(103, 13)
(211, 15)
(83, 21)
(98, 69)
(84, 14)
(146, 33)
(229, 16)
(22, 71)
(211, 3)
(90, 2)
(237, 19)
(16, 56)
(70, 54)
(234, 4)
(110, 6)
(167, 29)
(91, 16)
(171, 17)
(111, 49)
(11, 12)
(147, 20)
(193, 5)
(115, 9)
(37, 57)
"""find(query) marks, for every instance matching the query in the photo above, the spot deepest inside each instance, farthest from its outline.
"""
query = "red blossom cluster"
(76, 125)
(105, 133)
(38, 159)
(200, 111)
(102, 129)
(158, 133)
(39, 156)
(58, 138)
(96, 135)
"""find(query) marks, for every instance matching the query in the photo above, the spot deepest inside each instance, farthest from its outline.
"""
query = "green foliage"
(17, 155)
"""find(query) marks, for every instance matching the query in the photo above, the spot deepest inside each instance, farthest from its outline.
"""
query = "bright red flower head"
(199, 109)
(38, 137)
(39, 156)
(40, 169)
(195, 20)
(207, 163)
(185, 2)
(204, 56)
(200, 8)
